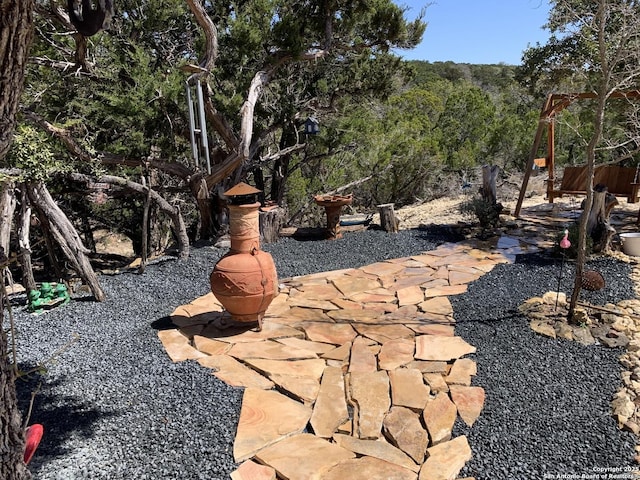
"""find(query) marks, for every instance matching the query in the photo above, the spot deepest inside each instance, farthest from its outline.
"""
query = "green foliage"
(572, 251)
(34, 153)
(415, 128)
(487, 213)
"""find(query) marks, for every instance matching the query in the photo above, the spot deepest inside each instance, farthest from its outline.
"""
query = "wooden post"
(489, 178)
(598, 226)
(388, 219)
(271, 221)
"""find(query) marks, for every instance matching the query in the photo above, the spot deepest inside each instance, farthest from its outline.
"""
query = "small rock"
(624, 408)
(632, 427)
(543, 328)
(551, 298)
(583, 336)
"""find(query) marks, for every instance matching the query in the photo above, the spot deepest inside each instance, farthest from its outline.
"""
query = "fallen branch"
(173, 212)
(607, 310)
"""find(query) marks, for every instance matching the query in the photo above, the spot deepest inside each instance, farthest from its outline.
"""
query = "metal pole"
(203, 127)
(192, 125)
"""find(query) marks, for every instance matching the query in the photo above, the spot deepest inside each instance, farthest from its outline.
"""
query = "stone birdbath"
(333, 207)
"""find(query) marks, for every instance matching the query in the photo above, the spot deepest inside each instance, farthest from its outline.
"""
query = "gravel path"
(115, 407)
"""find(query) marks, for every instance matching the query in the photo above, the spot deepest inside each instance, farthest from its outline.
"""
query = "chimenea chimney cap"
(241, 189)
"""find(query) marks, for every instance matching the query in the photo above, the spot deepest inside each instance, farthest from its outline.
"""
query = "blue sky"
(478, 31)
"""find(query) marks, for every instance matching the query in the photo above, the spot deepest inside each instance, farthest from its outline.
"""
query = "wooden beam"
(555, 103)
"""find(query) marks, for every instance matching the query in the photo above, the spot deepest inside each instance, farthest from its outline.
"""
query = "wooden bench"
(620, 181)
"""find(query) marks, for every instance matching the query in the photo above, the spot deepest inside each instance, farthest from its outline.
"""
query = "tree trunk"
(584, 219)
(489, 178)
(49, 243)
(12, 466)
(65, 236)
(7, 209)
(145, 225)
(24, 254)
(598, 226)
(201, 193)
(15, 38)
(279, 178)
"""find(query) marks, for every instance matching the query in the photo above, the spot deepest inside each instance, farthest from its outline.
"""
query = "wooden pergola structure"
(555, 103)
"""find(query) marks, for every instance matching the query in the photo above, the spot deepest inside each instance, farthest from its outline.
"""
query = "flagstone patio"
(356, 373)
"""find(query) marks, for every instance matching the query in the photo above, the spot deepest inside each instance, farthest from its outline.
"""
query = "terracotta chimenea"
(245, 280)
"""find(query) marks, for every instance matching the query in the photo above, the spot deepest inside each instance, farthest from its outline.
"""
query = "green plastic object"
(35, 302)
(62, 292)
(48, 297)
(46, 290)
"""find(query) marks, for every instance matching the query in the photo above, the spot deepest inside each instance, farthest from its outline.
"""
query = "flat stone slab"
(340, 353)
(356, 316)
(437, 305)
(445, 290)
(362, 358)
(390, 326)
(327, 332)
(303, 302)
(177, 346)
(410, 295)
(350, 285)
(368, 468)
(266, 417)
(439, 415)
(426, 366)
(396, 353)
(382, 269)
(234, 373)
(436, 347)
(459, 278)
(446, 460)
(324, 291)
(408, 388)
(384, 333)
(404, 428)
(432, 329)
(209, 346)
(469, 402)
(377, 448)
(330, 410)
(270, 330)
(303, 388)
(197, 310)
(303, 457)
(436, 382)
(461, 372)
(369, 392)
(318, 348)
(252, 471)
(296, 368)
(270, 350)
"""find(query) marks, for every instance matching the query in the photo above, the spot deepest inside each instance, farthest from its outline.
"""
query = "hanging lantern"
(311, 126)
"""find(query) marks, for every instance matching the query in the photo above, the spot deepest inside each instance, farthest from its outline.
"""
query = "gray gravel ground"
(115, 407)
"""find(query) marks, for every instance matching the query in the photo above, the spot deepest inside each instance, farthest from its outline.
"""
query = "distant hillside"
(488, 77)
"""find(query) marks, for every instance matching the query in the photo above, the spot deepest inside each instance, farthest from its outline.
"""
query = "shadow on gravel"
(441, 233)
(163, 323)
(62, 416)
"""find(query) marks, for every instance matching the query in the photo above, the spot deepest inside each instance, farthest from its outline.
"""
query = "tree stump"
(488, 209)
(271, 221)
(598, 226)
(388, 219)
